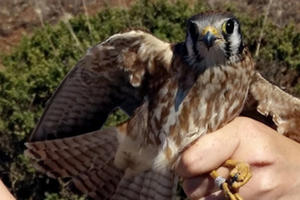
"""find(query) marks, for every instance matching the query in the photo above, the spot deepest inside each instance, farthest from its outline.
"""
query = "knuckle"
(247, 124)
(184, 167)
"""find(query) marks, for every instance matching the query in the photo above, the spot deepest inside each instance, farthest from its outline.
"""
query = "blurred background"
(41, 40)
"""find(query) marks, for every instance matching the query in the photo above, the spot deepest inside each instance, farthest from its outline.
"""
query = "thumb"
(209, 151)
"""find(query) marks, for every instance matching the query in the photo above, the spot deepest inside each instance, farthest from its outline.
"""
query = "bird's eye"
(228, 26)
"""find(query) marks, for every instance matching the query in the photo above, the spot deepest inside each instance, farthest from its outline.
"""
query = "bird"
(172, 93)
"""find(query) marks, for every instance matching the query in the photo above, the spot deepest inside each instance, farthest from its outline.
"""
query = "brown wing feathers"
(148, 185)
(282, 107)
(115, 73)
(99, 183)
(111, 74)
(80, 105)
(87, 159)
(68, 156)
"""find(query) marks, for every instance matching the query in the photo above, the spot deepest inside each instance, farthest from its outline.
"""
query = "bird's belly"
(217, 97)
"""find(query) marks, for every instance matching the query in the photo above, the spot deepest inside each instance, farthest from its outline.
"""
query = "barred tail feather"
(99, 183)
(86, 159)
(89, 161)
(148, 185)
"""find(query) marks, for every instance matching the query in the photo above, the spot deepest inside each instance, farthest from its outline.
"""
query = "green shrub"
(38, 64)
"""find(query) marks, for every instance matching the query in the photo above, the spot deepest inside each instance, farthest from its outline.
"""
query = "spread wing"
(88, 162)
(270, 100)
(114, 73)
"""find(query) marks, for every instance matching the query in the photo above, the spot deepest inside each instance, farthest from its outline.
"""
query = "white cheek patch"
(235, 40)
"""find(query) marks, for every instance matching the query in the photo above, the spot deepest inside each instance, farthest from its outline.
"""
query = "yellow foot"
(239, 175)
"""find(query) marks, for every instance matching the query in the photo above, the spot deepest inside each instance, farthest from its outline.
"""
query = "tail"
(88, 161)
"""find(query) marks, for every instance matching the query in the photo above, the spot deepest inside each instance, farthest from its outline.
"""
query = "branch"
(263, 27)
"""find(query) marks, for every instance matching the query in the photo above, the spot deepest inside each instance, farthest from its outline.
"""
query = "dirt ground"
(21, 17)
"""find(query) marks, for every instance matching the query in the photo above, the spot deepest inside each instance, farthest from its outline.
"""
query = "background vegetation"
(38, 64)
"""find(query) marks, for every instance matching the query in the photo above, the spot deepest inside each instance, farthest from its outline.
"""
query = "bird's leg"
(239, 175)
(222, 184)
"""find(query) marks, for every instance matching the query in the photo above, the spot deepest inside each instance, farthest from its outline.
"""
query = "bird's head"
(212, 39)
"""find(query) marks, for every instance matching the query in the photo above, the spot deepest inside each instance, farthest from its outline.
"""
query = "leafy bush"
(39, 63)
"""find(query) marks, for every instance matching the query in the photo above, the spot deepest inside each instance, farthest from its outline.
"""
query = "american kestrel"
(173, 94)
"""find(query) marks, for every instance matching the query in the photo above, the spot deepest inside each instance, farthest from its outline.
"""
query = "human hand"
(4, 193)
(274, 160)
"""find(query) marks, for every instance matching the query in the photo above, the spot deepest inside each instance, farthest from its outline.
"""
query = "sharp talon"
(235, 177)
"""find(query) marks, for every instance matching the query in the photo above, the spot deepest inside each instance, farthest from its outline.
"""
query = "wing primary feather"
(114, 73)
(283, 108)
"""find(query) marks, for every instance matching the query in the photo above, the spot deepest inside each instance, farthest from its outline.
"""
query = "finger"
(210, 151)
(5, 192)
(218, 195)
(200, 186)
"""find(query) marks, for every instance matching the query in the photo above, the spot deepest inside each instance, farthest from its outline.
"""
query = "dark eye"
(228, 26)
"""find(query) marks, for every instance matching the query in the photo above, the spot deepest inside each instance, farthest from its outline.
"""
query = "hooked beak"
(209, 37)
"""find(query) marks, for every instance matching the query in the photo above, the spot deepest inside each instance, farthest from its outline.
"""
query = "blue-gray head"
(212, 39)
